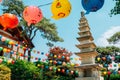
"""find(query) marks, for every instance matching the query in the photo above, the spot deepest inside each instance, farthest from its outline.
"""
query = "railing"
(87, 50)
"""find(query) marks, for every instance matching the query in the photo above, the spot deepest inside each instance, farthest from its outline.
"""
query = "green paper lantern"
(1, 48)
(7, 41)
(115, 65)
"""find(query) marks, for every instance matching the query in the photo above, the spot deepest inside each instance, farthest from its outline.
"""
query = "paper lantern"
(8, 51)
(58, 70)
(72, 72)
(54, 69)
(92, 5)
(55, 62)
(119, 72)
(113, 58)
(109, 72)
(3, 39)
(98, 59)
(5, 50)
(46, 67)
(8, 20)
(1, 48)
(104, 72)
(7, 41)
(38, 65)
(67, 58)
(50, 61)
(50, 68)
(1, 60)
(13, 62)
(55, 56)
(67, 71)
(72, 64)
(32, 15)
(11, 43)
(104, 58)
(64, 63)
(60, 9)
(59, 56)
(63, 70)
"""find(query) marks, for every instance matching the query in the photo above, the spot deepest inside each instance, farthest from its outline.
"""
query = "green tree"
(116, 9)
(58, 66)
(106, 52)
(114, 38)
(47, 29)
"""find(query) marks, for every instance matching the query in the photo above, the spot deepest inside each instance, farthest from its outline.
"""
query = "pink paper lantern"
(32, 15)
(0, 0)
(1, 60)
(3, 39)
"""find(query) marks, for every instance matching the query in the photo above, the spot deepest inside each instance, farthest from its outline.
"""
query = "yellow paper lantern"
(9, 61)
(72, 64)
(55, 56)
(5, 50)
(98, 59)
(104, 72)
(119, 65)
(60, 9)
(11, 43)
(58, 69)
(51, 61)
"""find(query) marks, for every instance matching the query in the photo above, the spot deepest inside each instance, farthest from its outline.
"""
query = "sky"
(101, 24)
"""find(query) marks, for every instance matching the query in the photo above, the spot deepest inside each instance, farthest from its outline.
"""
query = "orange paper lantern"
(9, 20)
(32, 15)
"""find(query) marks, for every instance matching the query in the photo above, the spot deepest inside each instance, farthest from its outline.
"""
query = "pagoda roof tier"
(84, 26)
(85, 31)
(81, 54)
(85, 37)
(86, 45)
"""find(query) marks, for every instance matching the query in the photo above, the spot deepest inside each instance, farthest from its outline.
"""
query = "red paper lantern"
(104, 58)
(32, 15)
(63, 70)
(55, 62)
(109, 72)
(119, 72)
(0, 0)
(8, 20)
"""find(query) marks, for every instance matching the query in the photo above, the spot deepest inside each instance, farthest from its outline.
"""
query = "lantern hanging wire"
(45, 4)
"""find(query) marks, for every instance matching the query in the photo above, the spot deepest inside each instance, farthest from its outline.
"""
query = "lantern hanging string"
(45, 4)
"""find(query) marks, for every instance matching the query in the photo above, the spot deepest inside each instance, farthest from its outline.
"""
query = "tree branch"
(34, 34)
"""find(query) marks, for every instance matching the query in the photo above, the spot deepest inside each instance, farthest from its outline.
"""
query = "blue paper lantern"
(92, 5)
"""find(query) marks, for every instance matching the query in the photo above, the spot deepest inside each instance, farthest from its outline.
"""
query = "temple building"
(11, 43)
(88, 69)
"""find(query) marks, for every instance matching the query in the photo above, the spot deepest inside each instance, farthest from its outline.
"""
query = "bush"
(5, 72)
(23, 70)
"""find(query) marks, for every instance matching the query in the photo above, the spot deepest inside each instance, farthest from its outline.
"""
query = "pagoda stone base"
(89, 78)
(89, 72)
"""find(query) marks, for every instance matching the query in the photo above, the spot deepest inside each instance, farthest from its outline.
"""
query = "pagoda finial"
(82, 14)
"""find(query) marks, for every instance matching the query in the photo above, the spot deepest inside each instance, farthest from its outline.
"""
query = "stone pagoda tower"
(88, 70)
